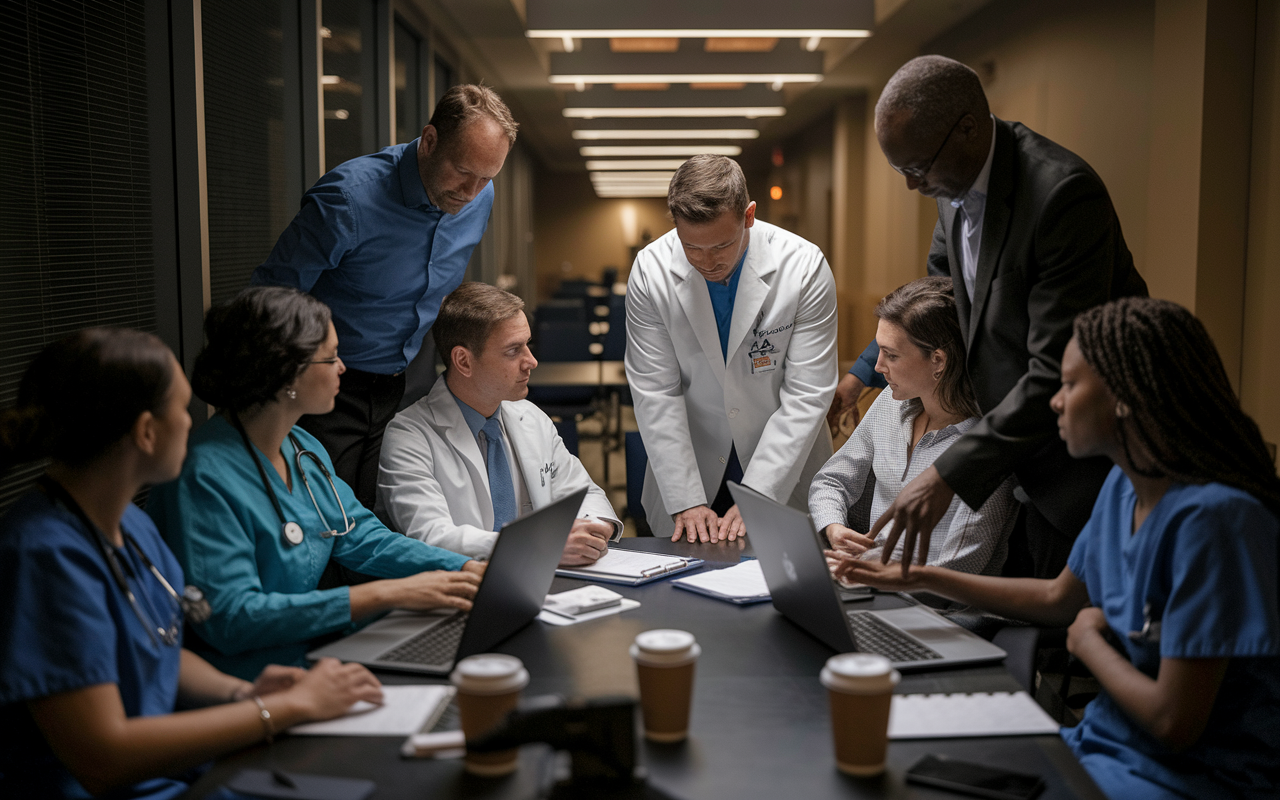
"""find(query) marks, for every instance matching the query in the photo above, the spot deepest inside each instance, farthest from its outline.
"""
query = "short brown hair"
(468, 316)
(704, 187)
(926, 310)
(466, 103)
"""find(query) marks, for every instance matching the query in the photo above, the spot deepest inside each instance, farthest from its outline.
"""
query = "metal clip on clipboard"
(662, 569)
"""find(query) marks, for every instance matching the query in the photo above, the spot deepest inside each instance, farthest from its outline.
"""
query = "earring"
(293, 394)
(937, 375)
(1122, 410)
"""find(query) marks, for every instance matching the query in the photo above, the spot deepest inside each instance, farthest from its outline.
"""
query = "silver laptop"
(790, 554)
(520, 571)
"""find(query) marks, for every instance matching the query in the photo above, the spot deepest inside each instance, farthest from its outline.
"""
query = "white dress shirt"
(973, 205)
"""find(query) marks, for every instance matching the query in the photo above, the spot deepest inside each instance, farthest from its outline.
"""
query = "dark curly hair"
(83, 393)
(926, 310)
(256, 344)
(1158, 359)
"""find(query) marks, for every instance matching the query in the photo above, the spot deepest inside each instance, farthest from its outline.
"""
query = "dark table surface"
(579, 373)
(759, 726)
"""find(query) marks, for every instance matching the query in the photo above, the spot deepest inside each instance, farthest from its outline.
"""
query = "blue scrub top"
(1205, 561)
(68, 626)
(221, 525)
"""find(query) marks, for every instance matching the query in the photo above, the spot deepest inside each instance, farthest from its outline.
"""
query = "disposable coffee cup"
(860, 688)
(664, 665)
(488, 688)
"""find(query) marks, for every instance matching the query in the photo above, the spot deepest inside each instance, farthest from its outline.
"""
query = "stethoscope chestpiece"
(292, 533)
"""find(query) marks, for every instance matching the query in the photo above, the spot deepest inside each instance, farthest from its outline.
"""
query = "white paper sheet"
(935, 716)
(742, 581)
(404, 710)
(628, 563)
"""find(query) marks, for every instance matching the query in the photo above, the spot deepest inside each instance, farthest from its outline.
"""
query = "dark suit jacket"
(1051, 248)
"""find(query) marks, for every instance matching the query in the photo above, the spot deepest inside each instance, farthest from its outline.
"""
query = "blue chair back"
(562, 310)
(637, 460)
(568, 430)
(563, 341)
(615, 341)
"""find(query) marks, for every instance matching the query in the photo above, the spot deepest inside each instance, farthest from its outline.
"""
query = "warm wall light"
(630, 225)
(604, 151)
(775, 192)
(330, 80)
(716, 133)
(750, 112)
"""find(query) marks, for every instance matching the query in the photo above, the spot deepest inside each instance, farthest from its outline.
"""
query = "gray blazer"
(1051, 248)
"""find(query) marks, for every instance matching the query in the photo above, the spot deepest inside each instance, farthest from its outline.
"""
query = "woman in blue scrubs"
(1171, 589)
(91, 658)
(256, 516)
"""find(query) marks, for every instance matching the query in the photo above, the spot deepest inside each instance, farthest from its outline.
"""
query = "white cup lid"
(489, 673)
(665, 646)
(859, 673)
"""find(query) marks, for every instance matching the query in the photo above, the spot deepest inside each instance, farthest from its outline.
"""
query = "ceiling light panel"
(642, 150)
(594, 63)
(709, 133)
(690, 112)
(646, 164)
(837, 19)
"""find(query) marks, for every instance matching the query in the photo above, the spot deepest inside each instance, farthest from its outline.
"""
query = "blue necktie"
(501, 490)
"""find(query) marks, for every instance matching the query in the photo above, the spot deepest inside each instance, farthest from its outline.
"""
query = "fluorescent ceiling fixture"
(613, 194)
(604, 151)
(702, 33)
(750, 112)
(670, 163)
(711, 133)
(631, 176)
(775, 79)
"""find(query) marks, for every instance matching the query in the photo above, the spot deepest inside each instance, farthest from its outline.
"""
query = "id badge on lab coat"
(763, 357)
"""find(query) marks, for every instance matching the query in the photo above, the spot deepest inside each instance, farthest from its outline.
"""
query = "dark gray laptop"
(521, 568)
(790, 554)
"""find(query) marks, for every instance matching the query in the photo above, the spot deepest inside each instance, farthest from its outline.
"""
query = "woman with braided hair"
(1172, 584)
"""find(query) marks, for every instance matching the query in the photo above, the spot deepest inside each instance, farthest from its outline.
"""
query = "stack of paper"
(937, 716)
(404, 710)
(740, 584)
(631, 567)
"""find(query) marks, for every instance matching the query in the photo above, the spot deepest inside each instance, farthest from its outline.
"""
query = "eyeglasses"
(917, 173)
(333, 360)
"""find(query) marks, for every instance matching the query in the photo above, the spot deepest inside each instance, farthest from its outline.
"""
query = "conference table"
(759, 725)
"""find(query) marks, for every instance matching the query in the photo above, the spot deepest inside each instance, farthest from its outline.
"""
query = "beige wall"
(577, 234)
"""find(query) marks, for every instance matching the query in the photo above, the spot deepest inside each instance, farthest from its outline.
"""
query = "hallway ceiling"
(674, 87)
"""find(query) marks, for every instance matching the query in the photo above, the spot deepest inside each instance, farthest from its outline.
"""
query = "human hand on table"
(914, 513)
(331, 687)
(730, 526)
(273, 678)
(888, 577)
(697, 524)
(846, 540)
(588, 540)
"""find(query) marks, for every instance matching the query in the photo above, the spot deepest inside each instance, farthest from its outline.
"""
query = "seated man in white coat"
(731, 356)
(474, 454)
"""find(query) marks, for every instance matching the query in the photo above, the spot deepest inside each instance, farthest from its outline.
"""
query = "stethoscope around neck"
(291, 532)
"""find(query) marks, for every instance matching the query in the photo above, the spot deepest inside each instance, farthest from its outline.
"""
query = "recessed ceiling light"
(656, 163)
(702, 33)
(774, 79)
(604, 151)
(716, 133)
(750, 112)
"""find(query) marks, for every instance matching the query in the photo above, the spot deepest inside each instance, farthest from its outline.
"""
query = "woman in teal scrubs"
(1171, 588)
(91, 656)
(255, 516)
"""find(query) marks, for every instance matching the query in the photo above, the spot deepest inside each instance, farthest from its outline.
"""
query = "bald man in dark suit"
(1027, 232)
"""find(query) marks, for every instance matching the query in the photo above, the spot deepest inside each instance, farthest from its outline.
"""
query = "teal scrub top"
(1202, 569)
(222, 526)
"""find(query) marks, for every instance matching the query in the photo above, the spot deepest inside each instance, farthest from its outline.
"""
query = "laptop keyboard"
(873, 635)
(435, 645)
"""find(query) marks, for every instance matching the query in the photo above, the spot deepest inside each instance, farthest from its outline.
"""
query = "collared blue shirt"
(369, 243)
(722, 297)
(475, 420)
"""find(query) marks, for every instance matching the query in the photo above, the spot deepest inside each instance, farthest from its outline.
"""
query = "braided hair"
(1158, 360)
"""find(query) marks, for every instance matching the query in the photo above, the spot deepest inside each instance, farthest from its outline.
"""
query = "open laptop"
(521, 568)
(790, 554)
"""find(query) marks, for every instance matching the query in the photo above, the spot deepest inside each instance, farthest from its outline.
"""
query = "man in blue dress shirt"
(382, 239)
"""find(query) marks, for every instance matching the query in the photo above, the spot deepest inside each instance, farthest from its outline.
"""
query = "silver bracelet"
(265, 716)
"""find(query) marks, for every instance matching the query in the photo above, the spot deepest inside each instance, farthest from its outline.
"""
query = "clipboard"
(631, 567)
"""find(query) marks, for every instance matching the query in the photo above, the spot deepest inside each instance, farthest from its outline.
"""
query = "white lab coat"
(770, 398)
(433, 484)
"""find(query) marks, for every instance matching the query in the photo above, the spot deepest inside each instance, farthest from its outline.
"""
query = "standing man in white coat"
(474, 454)
(731, 356)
